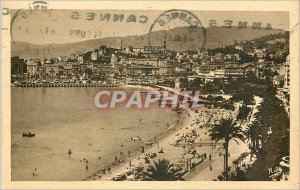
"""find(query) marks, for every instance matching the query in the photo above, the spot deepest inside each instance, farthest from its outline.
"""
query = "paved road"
(203, 173)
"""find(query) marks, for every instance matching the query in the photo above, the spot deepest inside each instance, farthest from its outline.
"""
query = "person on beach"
(161, 150)
(210, 168)
(108, 169)
(34, 172)
(142, 149)
(99, 158)
(103, 170)
(116, 159)
(86, 167)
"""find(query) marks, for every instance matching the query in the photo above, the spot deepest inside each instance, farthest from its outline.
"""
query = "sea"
(66, 119)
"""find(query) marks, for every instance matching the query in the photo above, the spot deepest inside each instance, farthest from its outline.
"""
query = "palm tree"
(226, 130)
(163, 171)
(253, 134)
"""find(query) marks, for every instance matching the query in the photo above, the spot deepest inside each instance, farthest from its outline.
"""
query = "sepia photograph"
(149, 94)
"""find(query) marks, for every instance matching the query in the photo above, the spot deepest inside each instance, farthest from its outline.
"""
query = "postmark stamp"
(36, 9)
(174, 23)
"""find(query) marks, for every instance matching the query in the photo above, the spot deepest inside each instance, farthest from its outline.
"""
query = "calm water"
(64, 118)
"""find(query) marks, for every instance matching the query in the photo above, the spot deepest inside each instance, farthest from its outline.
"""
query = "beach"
(187, 141)
(117, 141)
(177, 152)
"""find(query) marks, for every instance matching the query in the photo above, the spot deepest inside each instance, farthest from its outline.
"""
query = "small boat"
(136, 138)
(149, 143)
(28, 134)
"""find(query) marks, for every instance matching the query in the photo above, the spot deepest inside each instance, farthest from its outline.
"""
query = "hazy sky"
(58, 27)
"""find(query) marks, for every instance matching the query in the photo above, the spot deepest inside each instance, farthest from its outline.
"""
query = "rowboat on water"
(28, 134)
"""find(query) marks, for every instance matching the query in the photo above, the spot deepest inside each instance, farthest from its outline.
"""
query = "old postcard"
(150, 95)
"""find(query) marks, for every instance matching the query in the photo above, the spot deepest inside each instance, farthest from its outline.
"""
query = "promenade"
(203, 172)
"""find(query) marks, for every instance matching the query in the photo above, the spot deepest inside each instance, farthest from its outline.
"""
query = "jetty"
(65, 85)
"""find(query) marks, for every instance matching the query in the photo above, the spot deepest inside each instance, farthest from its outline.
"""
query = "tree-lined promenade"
(267, 134)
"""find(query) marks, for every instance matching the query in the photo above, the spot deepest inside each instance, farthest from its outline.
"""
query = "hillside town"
(265, 57)
(236, 81)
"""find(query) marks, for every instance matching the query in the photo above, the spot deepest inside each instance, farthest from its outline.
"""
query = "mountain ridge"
(178, 39)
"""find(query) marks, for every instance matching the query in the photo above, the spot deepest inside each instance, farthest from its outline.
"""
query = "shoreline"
(136, 148)
(191, 120)
(181, 125)
(137, 152)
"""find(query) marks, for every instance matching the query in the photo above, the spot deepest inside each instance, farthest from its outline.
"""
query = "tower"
(113, 60)
(119, 44)
(165, 47)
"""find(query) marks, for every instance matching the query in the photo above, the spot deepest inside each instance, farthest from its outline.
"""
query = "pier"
(65, 85)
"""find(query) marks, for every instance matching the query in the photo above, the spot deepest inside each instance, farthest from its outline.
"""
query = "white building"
(31, 68)
(94, 55)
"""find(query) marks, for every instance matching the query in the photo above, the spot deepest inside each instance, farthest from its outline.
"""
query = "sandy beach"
(188, 140)
(176, 152)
